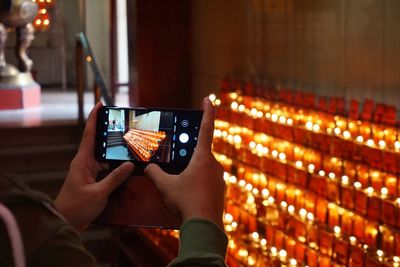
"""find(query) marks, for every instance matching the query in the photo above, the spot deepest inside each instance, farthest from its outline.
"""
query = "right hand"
(197, 192)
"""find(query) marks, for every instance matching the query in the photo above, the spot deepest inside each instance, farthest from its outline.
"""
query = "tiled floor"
(57, 107)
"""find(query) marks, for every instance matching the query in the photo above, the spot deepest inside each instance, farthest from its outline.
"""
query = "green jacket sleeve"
(48, 239)
(202, 243)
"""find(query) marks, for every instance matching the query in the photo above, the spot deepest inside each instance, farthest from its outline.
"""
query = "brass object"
(17, 14)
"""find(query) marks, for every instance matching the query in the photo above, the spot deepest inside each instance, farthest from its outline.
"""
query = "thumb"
(116, 177)
(156, 174)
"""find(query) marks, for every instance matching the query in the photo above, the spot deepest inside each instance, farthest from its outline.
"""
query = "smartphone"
(166, 137)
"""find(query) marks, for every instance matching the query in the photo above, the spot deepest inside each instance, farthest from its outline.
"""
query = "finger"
(89, 134)
(115, 178)
(156, 174)
(207, 125)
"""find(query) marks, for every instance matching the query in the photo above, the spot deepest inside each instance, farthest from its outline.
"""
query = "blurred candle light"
(370, 191)
(316, 127)
(321, 173)
(234, 105)
(291, 209)
(360, 139)
(299, 164)
(345, 179)
(353, 240)
(384, 192)
(337, 230)
(382, 143)
(397, 145)
(311, 167)
(241, 108)
(346, 134)
(265, 193)
(289, 121)
(370, 142)
(337, 131)
(357, 185)
(212, 97)
(303, 213)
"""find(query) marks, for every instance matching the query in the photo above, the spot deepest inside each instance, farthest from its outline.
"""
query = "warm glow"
(360, 139)
(311, 168)
(384, 191)
(337, 230)
(345, 179)
(291, 209)
(89, 59)
(299, 164)
(397, 145)
(303, 212)
(212, 97)
(255, 236)
(337, 131)
(321, 173)
(309, 125)
(382, 143)
(265, 192)
(346, 134)
(370, 191)
(282, 254)
(353, 240)
(234, 105)
(370, 142)
(357, 185)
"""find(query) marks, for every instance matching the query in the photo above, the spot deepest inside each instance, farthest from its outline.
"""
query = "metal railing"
(84, 56)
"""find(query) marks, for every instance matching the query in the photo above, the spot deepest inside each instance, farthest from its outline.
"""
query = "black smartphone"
(147, 135)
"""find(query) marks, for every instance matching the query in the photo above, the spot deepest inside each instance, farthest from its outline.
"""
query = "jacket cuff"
(202, 236)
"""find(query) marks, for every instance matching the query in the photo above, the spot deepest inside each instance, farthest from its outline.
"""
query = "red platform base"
(20, 97)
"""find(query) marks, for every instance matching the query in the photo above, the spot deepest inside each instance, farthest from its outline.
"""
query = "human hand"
(81, 198)
(197, 192)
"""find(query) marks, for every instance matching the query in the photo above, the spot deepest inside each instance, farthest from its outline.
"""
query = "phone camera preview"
(183, 138)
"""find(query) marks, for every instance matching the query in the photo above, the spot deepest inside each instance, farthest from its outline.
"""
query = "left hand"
(81, 198)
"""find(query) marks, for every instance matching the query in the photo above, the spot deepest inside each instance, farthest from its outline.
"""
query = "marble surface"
(57, 107)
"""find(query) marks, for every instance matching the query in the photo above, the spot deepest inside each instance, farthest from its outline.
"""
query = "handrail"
(84, 54)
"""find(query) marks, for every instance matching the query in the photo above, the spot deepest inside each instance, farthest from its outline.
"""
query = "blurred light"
(299, 164)
(234, 105)
(212, 97)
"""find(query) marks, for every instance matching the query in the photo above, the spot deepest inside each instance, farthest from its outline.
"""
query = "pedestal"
(20, 97)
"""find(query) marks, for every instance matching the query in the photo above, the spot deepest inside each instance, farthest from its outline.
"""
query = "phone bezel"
(171, 167)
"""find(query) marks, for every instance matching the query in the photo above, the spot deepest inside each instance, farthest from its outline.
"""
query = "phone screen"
(162, 136)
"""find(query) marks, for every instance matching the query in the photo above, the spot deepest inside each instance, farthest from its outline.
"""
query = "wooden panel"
(364, 48)
(161, 51)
